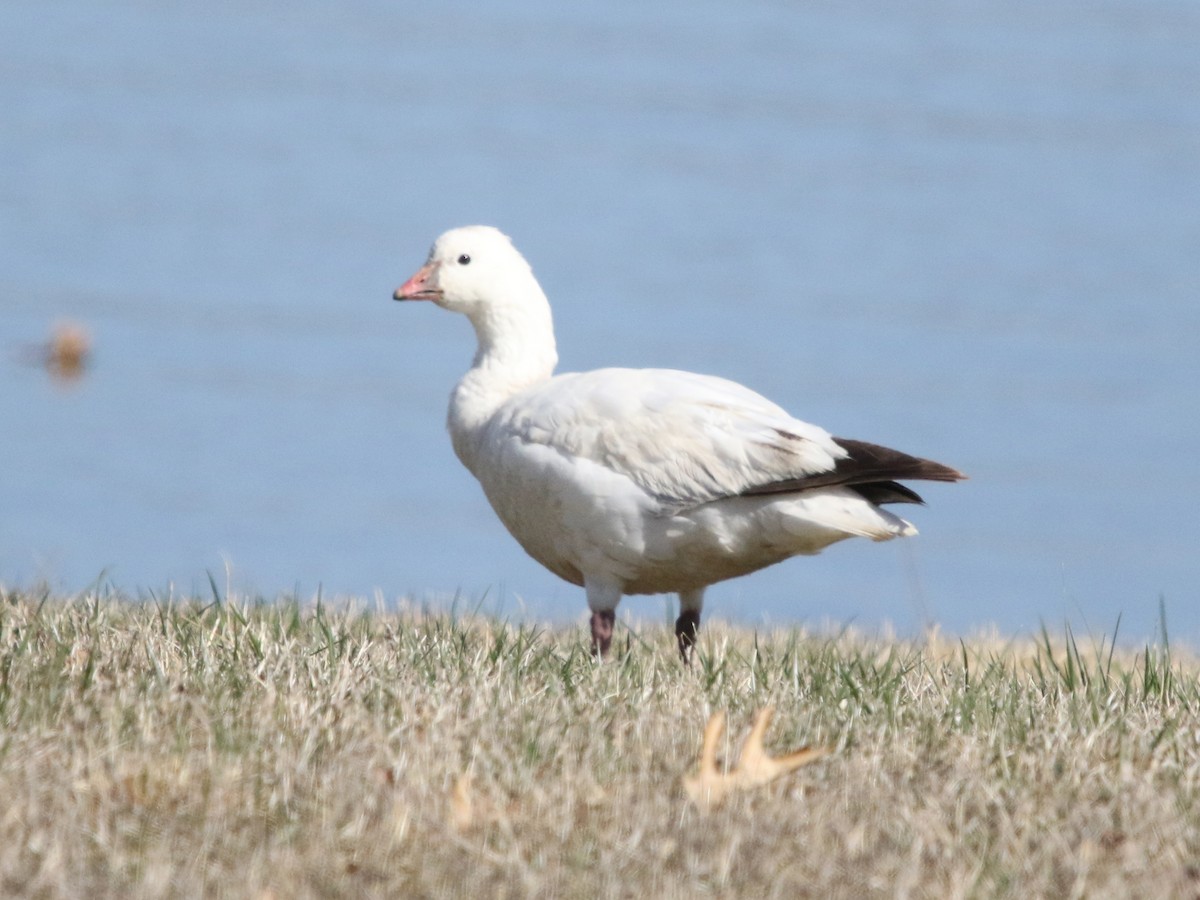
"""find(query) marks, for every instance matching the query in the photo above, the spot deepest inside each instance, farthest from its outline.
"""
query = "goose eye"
(464, 260)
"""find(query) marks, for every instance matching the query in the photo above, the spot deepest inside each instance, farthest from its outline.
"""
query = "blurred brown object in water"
(66, 353)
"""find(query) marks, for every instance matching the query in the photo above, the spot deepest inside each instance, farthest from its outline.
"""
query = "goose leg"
(687, 626)
(602, 630)
(602, 601)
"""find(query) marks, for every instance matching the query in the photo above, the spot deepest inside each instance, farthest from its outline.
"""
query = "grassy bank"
(227, 749)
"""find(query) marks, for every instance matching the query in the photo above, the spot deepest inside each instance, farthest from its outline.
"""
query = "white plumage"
(640, 481)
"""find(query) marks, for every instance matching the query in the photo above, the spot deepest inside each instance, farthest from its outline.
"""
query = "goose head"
(477, 271)
(471, 268)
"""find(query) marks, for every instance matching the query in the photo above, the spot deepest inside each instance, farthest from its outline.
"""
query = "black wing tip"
(881, 492)
(890, 463)
(872, 470)
(938, 472)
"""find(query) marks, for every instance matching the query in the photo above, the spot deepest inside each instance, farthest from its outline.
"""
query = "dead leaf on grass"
(755, 767)
(462, 811)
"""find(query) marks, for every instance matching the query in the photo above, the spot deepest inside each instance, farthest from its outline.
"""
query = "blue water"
(969, 232)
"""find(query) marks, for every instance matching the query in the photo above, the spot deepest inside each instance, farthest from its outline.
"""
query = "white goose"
(640, 481)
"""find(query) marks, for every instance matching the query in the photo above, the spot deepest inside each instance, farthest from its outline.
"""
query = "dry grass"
(160, 749)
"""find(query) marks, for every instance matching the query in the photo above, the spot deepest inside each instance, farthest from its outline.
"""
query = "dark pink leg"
(686, 627)
(602, 631)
